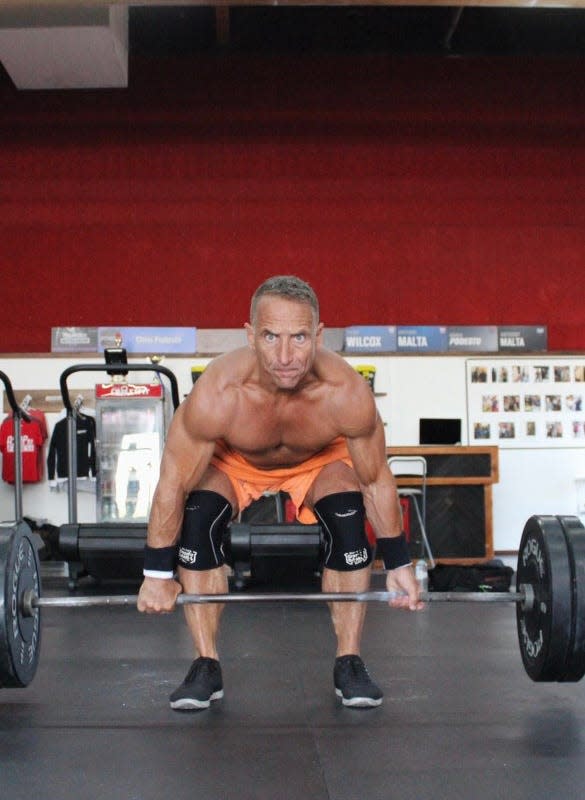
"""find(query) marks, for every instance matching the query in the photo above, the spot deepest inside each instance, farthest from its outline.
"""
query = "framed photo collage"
(526, 402)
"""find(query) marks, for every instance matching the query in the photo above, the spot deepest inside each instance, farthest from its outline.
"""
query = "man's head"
(284, 330)
(288, 287)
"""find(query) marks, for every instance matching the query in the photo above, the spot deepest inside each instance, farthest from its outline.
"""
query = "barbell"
(550, 600)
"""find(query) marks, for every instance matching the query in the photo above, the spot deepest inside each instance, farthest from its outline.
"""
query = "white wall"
(532, 481)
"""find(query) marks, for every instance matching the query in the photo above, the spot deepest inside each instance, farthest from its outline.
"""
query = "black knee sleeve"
(207, 515)
(343, 517)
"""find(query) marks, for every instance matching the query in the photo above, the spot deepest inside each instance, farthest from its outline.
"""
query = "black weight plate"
(20, 636)
(575, 535)
(545, 630)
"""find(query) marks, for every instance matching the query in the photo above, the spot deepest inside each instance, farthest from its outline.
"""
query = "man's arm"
(188, 450)
(378, 486)
(186, 456)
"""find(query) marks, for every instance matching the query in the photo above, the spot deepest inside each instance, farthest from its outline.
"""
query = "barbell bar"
(30, 601)
(550, 601)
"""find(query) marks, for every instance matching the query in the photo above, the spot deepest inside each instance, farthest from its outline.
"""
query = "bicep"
(187, 452)
(368, 454)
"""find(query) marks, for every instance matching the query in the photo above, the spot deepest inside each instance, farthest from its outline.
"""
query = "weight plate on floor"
(575, 535)
(20, 636)
(545, 628)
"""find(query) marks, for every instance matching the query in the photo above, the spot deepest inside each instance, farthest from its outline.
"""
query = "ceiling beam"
(534, 4)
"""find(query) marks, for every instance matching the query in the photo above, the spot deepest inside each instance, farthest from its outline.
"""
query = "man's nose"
(284, 351)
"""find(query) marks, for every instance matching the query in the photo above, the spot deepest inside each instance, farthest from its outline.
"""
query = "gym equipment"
(114, 549)
(18, 415)
(20, 633)
(109, 549)
(550, 632)
(549, 601)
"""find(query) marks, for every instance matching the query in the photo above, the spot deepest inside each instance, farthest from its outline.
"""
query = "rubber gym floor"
(460, 718)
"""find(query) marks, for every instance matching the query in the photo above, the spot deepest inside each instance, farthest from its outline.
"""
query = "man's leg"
(207, 513)
(338, 505)
(348, 618)
(203, 619)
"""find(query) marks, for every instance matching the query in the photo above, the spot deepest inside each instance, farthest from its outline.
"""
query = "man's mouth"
(285, 373)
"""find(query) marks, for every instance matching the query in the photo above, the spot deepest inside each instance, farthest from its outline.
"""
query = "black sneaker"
(202, 685)
(354, 685)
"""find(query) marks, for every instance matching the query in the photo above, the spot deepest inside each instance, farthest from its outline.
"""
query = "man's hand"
(158, 596)
(402, 580)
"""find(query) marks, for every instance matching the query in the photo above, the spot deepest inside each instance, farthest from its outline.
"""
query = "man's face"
(284, 336)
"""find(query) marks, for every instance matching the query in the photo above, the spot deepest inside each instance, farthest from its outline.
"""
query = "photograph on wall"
(526, 402)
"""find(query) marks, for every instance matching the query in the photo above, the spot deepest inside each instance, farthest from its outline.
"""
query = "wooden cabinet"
(459, 501)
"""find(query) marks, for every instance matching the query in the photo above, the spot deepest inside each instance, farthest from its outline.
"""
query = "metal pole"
(17, 416)
(16, 428)
(72, 465)
(30, 601)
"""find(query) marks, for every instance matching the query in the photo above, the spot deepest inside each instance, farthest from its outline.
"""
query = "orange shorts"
(250, 483)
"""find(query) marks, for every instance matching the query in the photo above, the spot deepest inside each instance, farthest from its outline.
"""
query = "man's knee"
(207, 516)
(342, 516)
(332, 479)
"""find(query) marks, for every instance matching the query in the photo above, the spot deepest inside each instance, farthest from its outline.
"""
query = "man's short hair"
(288, 286)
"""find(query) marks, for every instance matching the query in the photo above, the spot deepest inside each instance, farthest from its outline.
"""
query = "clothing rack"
(47, 400)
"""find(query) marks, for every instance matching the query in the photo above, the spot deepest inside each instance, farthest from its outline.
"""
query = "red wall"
(406, 190)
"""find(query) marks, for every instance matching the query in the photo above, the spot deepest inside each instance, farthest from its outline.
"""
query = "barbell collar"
(30, 601)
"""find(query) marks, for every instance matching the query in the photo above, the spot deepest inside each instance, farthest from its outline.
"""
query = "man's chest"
(287, 432)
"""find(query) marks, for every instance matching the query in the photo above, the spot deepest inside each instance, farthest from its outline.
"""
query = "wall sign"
(522, 339)
(473, 339)
(74, 340)
(149, 340)
(421, 339)
(370, 338)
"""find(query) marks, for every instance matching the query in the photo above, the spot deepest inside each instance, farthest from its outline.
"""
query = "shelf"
(459, 482)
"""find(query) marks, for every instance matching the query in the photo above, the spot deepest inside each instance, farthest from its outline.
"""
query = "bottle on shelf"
(422, 574)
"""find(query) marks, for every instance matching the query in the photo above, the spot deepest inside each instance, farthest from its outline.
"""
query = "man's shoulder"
(333, 368)
(231, 356)
(231, 367)
(212, 402)
(330, 358)
(346, 394)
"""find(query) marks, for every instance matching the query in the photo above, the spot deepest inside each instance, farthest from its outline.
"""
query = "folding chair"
(415, 467)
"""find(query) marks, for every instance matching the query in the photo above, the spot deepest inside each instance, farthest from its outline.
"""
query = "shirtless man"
(282, 413)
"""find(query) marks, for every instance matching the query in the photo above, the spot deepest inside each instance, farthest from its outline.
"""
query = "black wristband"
(160, 559)
(393, 551)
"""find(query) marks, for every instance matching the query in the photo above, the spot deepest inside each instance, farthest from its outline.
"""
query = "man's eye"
(300, 338)
(270, 337)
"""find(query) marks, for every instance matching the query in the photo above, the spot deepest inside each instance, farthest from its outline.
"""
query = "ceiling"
(88, 44)
(404, 28)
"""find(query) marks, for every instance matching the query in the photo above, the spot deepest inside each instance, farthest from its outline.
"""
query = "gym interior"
(422, 168)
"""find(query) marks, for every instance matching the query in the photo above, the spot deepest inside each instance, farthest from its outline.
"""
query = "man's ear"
(249, 334)
(319, 333)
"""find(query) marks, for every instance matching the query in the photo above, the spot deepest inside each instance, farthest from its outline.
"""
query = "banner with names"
(149, 340)
(74, 340)
(421, 339)
(523, 339)
(370, 339)
(473, 338)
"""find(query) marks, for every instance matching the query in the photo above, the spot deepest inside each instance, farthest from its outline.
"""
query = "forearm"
(166, 516)
(160, 553)
(383, 508)
(383, 505)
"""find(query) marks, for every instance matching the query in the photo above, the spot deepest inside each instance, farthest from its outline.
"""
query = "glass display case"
(130, 426)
